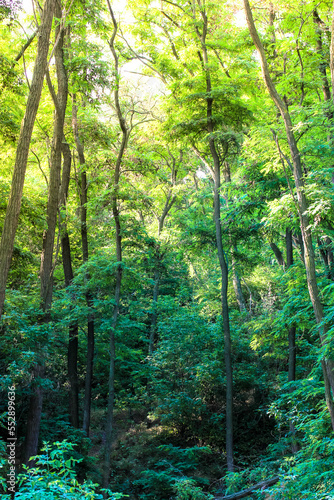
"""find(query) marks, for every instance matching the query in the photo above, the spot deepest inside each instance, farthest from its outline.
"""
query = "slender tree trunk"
(15, 197)
(278, 253)
(220, 250)
(302, 208)
(115, 210)
(46, 271)
(325, 248)
(34, 415)
(47, 265)
(237, 285)
(154, 316)
(170, 200)
(298, 242)
(235, 277)
(330, 257)
(292, 329)
(322, 63)
(291, 338)
(72, 356)
(85, 255)
(225, 313)
(168, 205)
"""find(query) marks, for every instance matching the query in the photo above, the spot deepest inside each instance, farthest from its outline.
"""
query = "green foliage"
(54, 477)
(169, 427)
(186, 489)
(166, 474)
(309, 474)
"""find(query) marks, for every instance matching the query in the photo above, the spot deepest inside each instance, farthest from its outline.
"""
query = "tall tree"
(72, 356)
(47, 256)
(85, 254)
(327, 364)
(118, 238)
(204, 117)
(15, 197)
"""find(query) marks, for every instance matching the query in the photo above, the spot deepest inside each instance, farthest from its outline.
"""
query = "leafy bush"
(186, 489)
(54, 478)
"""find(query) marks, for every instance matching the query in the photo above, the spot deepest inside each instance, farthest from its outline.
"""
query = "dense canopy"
(166, 253)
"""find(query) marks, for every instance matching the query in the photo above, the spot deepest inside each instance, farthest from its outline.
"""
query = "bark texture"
(47, 265)
(60, 101)
(278, 253)
(72, 353)
(15, 197)
(85, 255)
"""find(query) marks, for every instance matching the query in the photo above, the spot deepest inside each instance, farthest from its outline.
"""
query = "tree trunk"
(225, 314)
(47, 266)
(115, 209)
(325, 248)
(221, 255)
(15, 197)
(72, 356)
(302, 208)
(34, 416)
(278, 253)
(322, 63)
(249, 491)
(154, 315)
(170, 200)
(85, 255)
(237, 286)
(46, 271)
(298, 242)
(291, 338)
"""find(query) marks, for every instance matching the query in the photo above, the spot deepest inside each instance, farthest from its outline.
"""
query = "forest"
(166, 253)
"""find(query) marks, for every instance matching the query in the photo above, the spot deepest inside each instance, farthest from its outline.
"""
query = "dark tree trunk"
(222, 261)
(221, 255)
(278, 253)
(15, 197)
(325, 248)
(89, 366)
(72, 355)
(291, 339)
(34, 416)
(170, 200)
(85, 255)
(60, 101)
(292, 329)
(154, 315)
(47, 265)
(115, 209)
(298, 242)
(225, 314)
(168, 205)
(237, 286)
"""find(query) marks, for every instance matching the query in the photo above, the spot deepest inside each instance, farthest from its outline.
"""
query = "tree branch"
(246, 493)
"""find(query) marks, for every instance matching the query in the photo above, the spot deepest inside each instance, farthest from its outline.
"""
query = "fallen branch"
(246, 493)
